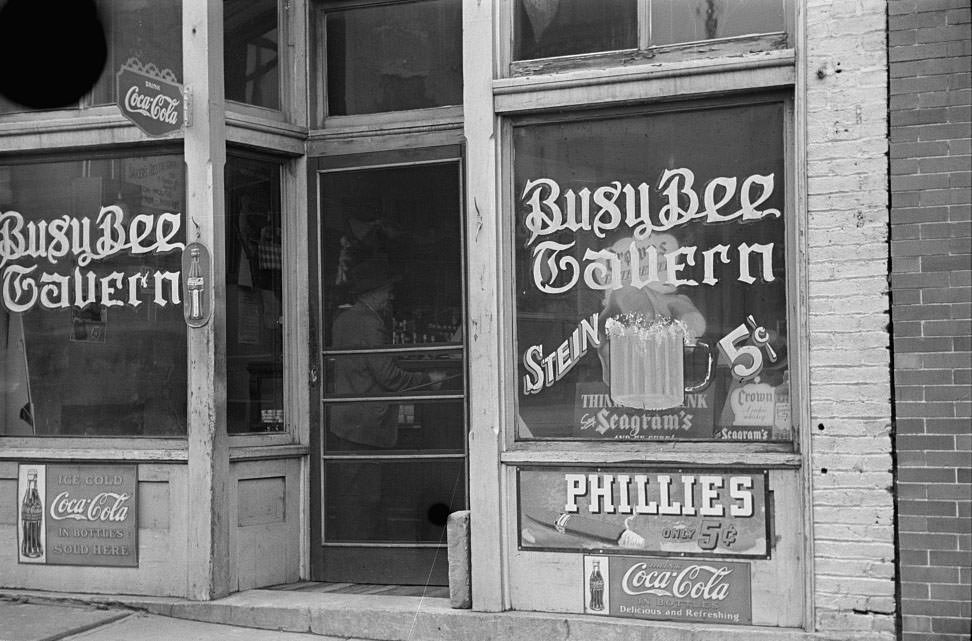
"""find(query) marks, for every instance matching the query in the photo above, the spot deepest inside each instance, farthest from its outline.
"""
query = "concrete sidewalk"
(139, 626)
(268, 615)
(25, 621)
(21, 620)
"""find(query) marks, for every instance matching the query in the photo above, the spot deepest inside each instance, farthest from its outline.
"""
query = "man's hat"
(371, 274)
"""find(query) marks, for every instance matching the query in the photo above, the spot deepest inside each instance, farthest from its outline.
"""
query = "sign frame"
(129, 525)
(155, 115)
(611, 602)
(767, 529)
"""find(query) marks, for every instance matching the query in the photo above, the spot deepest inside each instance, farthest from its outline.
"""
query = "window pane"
(250, 59)
(675, 21)
(398, 226)
(391, 501)
(546, 28)
(254, 302)
(694, 200)
(92, 336)
(148, 30)
(391, 57)
(429, 426)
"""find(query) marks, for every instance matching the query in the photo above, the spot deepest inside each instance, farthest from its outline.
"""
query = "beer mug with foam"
(648, 361)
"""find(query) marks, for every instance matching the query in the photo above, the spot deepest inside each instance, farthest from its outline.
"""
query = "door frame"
(392, 151)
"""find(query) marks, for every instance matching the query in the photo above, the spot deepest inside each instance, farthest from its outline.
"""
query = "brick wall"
(847, 306)
(930, 97)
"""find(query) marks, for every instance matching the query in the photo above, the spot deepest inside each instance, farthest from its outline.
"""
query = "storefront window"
(150, 30)
(650, 275)
(548, 28)
(92, 335)
(392, 56)
(254, 297)
(250, 56)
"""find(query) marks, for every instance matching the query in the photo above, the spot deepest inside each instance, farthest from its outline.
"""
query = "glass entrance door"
(392, 435)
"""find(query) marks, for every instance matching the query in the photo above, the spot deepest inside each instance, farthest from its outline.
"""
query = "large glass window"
(250, 56)
(92, 335)
(150, 30)
(650, 275)
(254, 297)
(391, 56)
(548, 28)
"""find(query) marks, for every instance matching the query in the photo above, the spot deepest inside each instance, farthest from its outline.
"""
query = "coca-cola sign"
(79, 515)
(711, 591)
(150, 98)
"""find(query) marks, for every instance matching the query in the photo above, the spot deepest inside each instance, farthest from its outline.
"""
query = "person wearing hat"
(367, 425)
(366, 324)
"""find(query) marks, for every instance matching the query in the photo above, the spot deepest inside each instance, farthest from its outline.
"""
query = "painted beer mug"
(647, 361)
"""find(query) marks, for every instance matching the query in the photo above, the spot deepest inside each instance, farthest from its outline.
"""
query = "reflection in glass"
(391, 501)
(254, 287)
(390, 57)
(250, 57)
(547, 28)
(93, 343)
(675, 21)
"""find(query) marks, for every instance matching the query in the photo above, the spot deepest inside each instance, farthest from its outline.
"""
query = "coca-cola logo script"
(104, 506)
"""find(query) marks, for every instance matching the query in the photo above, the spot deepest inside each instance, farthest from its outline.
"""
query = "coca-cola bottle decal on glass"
(596, 583)
(31, 516)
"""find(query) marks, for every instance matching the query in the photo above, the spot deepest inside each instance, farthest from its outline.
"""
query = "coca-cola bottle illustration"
(596, 583)
(194, 283)
(32, 514)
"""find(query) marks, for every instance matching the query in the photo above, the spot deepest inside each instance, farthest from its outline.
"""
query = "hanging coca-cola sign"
(150, 98)
(197, 284)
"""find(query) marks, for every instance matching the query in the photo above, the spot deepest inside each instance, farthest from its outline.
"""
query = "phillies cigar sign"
(150, 98)
(84, 514)
(677, 512)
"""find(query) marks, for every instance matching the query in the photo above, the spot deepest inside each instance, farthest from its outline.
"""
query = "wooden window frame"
(497, 92)
(446, 115)
(645, 53)
(290, 119)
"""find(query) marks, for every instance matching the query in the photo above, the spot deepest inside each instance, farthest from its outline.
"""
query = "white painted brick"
(850, 480)
(859, 585)
(842, 540)
(845, 567)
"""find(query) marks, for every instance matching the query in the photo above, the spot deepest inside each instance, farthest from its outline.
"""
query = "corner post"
(205, 156)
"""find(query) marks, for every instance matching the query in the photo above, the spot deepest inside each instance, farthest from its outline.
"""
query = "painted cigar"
(614, 533)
